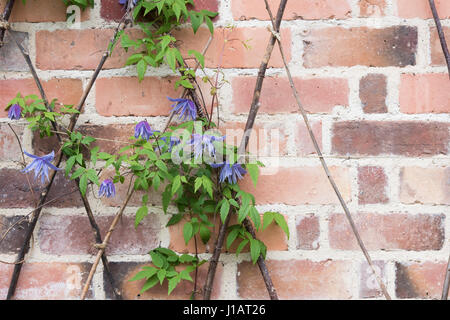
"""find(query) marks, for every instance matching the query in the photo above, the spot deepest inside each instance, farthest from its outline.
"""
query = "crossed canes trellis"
(102, 243)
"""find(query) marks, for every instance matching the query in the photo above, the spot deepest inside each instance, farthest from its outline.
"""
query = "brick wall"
(371, 75)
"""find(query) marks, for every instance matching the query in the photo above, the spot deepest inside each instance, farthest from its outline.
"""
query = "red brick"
(372, 92)
(49, 281)
(299, 185)
(303, 140)
(425, 185)
(42, 11)
(10, 56)
(274, 238)
(425, 93)
(407, 138)
(437, 55)
(15, 191)
(13, 230)
(297, 279)
(342, 47)
(308, 232)
(9, 147)
(388, 232)
(67, 91)
(126, 96)
(59, 190)
(369, 287)
(124, 271)
(421, 9)
(304, 10)
(234, 54)
(266, 138)
(65, 235)
(420, 280)
(317, 95)
(372, 185)
(78, 49)
(372, 8)
(5, 277)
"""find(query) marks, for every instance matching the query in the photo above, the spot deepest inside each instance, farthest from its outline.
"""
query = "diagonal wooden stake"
(322, 160)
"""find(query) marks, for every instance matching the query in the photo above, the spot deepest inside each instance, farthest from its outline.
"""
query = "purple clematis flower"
(174, 141)
(15, 112)
(107, 189)
(204, 143)
(143, 130)
(126, 1)
(185, 108)
(233, 172)
(40, 165)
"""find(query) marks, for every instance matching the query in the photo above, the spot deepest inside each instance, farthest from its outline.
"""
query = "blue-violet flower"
(204, 144)
(107, 189)
(40, 165)
(143, 130)
(15, 112)
(185, 108)
(233, 172)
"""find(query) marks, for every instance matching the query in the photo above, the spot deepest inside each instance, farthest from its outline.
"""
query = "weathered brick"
(372, 185)
(9, 147)
(61, 187)
(52, 281)
(317, 95)
(67, 91)
(10, 57)
(42, 11)
(274, 238)
(299, 185)
(64, 235)
(425, 93)
(5, 277)
(437, 55)
(234, 54)
(372, 92)
(406, 138)
(78, 49)
(372, 8)
(303, 141)
(297, 279)
(388, 232)
(369, 287)
(126, 96)
(13, 230)
(304, 10)
(421, 9)
(342, 47)
(267, 139)
(419, 280)
(15, 191)
(425, 185)
(130, 290)
(308, 232)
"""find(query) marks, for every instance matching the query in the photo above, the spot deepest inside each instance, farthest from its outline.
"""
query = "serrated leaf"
(255, 250)
(205, 234)
(140, 214)
(253, 170)
(157, 259)
(83, 184)
(224, 210)
(279, 219)
(161, 275)
(232, 236)
(150, 283)
(174, 219)
(69, 164)
(188, 232)
(172, 284)
(267, 219)
(241, 246)
(141, 68)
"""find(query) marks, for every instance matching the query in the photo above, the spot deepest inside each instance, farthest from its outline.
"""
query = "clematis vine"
(185, 108)
(107, 189)
(143, 130)
(204, 144)
(174, 141)
(15, 112)
(40, 165)
(233, 172)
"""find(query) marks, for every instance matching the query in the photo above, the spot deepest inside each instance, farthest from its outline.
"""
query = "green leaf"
(161, 275)
(224, 210)
(253, 170)
(176, 184)
(255, 250)
(174, 219)
(232, 236)
(188, 232)
(267, 219)
(198, 183)
(140, 214)
(207, 185)
(166, 197)
(171, 58)
(241, 246)
(150, 283)
(279, 219)
(83, 184)
(147, 273)
(161, 165)
(172, 284)
(92, 176)
(254, 215)
(205, 234)
(69, 164)
(185, 275)
(198, 56)
(157, 259)
(141, 68)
